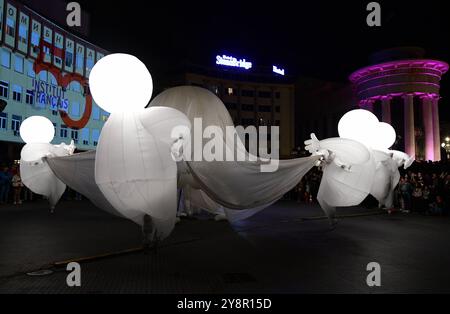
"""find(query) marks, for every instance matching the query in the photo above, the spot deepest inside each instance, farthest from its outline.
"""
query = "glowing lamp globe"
(358, 125)
(120, 83)
(37, 129)
(383, 136)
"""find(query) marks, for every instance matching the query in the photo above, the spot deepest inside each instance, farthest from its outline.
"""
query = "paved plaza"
(288, 248)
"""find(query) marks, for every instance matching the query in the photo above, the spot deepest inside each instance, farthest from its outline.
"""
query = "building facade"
(405, 93)
(260, 97)
(44, 71)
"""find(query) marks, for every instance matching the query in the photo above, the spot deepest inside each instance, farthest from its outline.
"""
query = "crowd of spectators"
(423, 188)
(13, 191)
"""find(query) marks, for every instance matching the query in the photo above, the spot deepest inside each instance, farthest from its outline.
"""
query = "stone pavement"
(276, 251)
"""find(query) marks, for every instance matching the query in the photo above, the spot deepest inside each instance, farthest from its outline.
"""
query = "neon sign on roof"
(231, 61)
(277, 70)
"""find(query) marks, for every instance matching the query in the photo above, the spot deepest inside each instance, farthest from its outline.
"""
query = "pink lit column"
(386, 109)
(410, 140)
(366, 104)
(436, 135)
(427, 114)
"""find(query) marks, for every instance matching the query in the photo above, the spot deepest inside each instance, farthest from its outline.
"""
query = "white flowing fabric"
(78, 172)
(36, 173)
(387, 175)
(228, 186)
(348, 169)
(134, 168)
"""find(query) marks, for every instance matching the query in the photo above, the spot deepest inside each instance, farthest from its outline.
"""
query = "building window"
(69, 59)
(95, 136)
(247, 93)
(95, 113)
(54, 112)
(63, 131)
(10, 27)
(15, 124)
(52, 79)
(79, 61)
(75, 86)
(277, 95)
(105, 116)
(75, 109)
(230, 91)
(55, 127)
(17, 93)
(30, 70)
(58, 61)
(277, 108)
(35, 38)
(246, 122)
(43, 76)
(214, 89)
(263, 94)
(23, 33)
(85, 136)
(29, 97)
(265, 108)
(18, 64)
(89, 64)
(6, 58)
(3, 121)
(277, 122)
(248, 107)
(231, 106)
(74, 136)
(4, 89)
(47, 51)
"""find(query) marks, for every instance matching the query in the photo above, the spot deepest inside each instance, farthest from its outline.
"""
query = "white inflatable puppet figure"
(37, 132)
(134, 168)
(349, 177)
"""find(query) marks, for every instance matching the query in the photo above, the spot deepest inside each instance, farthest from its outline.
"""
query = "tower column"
(366, 104)
(386, 109)
(436, 135)
(410, 140)
(427, 114)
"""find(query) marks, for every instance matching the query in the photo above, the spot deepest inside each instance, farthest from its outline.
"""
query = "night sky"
(322, 39)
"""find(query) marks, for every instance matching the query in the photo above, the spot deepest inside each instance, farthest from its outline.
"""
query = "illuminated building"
(44, 71)
(253, 94)
(405, 93)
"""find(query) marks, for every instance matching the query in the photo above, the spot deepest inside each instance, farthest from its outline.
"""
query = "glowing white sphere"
(358, 125)
(37, 129)
(383, 136)
(120, 83)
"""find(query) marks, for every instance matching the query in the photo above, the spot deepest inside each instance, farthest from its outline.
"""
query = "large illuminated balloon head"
(383, 136)
(357, 125)
(37, 129)
(363, 126)
(120, 83)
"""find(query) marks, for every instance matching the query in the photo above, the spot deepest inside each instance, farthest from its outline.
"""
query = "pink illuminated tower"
(405, 93)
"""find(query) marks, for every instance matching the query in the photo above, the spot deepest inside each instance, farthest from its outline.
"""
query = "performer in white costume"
(37, 132)
(347, 182)
(133, 166)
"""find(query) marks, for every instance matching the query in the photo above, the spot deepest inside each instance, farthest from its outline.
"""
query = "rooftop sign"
(231, 61)
(277, 70)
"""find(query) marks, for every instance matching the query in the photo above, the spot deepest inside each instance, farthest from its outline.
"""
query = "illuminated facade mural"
(44, 71)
